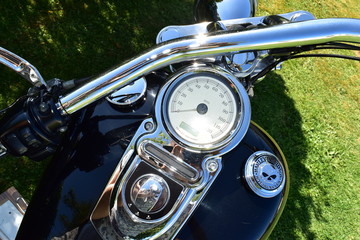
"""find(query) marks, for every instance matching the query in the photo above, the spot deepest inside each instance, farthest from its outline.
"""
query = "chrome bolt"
(63, 129)
(43, 107)
(212, 165)
(149, 126)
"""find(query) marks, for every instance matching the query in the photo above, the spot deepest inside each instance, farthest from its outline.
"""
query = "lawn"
(311, 107)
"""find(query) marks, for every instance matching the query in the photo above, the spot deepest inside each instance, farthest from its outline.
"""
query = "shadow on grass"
(71, 39)
(276, 113)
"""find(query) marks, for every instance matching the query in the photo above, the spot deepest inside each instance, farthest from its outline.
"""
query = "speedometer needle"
(185, 110)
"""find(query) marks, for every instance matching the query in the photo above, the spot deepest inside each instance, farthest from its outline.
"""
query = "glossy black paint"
(80, 170)
(76, 177)
(231, 210)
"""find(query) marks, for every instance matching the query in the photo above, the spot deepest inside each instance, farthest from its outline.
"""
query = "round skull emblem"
(265, 174)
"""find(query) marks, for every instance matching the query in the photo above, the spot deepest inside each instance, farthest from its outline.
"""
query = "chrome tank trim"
(178, 168)
(201, 46)
(168, 225)
(128, 219)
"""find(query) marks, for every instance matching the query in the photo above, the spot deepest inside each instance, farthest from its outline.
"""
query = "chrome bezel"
(242, 119)
(194, 191)
(253, 183)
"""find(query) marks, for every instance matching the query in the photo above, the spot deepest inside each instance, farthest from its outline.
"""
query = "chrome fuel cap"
(265, 174)
(150, 193)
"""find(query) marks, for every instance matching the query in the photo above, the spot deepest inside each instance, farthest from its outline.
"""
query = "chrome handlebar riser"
(289, 35)
(178, 31)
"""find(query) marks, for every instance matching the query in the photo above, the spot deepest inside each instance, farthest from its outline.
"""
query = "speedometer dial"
(202, 108)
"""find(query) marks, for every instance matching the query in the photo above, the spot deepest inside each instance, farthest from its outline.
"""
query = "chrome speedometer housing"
(204, 108)
(178, 167)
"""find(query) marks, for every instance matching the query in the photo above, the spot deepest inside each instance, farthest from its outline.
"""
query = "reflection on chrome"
(166, 179)
(22, 67)
(279, 36)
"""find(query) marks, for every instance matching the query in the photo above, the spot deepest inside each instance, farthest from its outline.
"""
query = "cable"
(267, 69)
(344, 46)
(2, 111)
(325, 55)
(296, 54)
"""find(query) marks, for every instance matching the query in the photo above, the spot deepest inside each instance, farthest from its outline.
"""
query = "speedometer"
(202, 109)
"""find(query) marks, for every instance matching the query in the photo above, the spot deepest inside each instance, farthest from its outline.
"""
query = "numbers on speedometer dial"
(202, 109)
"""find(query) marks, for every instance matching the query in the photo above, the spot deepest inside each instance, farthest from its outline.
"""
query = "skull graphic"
(268, 173)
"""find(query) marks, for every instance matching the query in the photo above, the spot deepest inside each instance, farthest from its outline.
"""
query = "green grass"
(314, 112)
(311, 107)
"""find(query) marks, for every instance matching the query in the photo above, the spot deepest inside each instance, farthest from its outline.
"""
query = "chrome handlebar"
(289, 35)
(22, 67)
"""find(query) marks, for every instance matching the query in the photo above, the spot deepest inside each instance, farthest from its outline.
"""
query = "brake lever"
(22, 67)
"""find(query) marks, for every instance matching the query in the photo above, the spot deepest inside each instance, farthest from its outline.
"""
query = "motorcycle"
(163, 145)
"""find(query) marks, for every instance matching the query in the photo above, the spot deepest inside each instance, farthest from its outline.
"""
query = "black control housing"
(32, 127)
